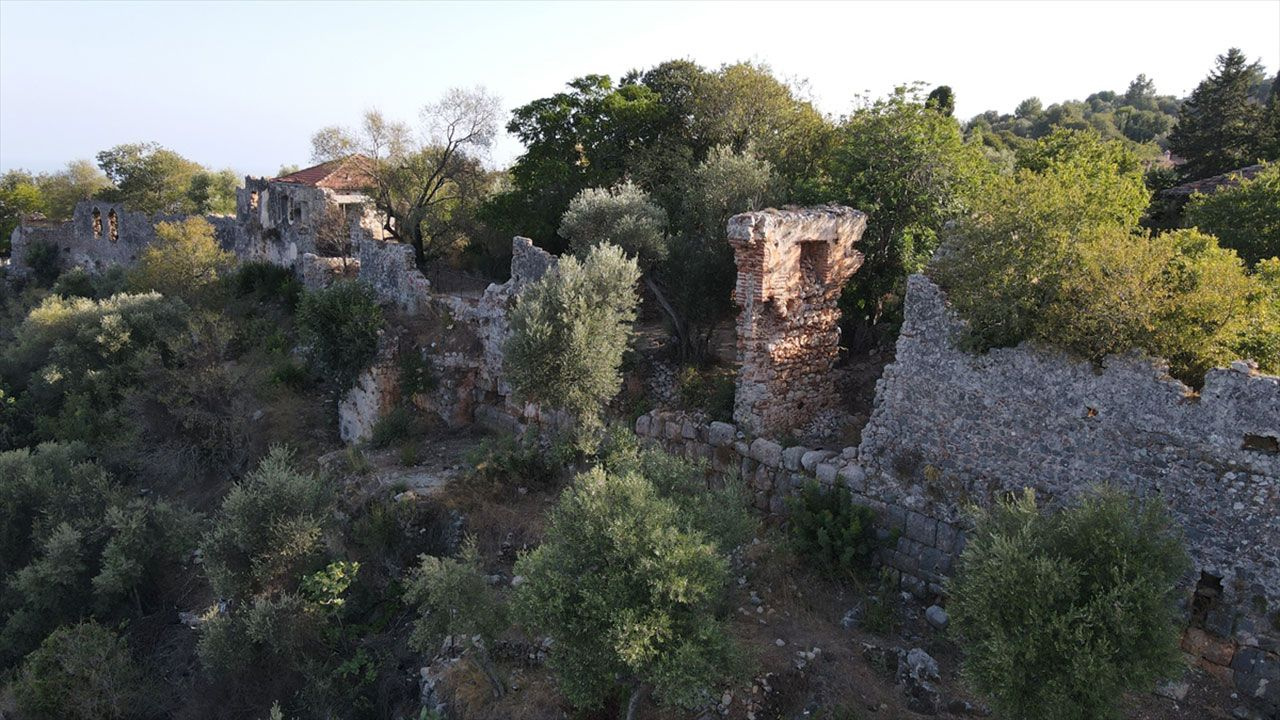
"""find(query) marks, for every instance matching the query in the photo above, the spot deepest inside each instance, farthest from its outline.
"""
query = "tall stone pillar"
(792, 265)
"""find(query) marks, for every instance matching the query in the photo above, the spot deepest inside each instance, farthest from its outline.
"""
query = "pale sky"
(244, 85)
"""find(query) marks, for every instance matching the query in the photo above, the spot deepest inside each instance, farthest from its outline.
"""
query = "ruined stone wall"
(792, 265)
(98, 235)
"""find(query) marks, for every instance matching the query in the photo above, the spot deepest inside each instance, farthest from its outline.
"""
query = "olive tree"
(568, 333)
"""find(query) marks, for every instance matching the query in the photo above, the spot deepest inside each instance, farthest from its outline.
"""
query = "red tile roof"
(346, 174)
(1210, 184)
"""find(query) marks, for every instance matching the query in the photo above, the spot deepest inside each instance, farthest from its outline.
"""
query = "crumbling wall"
(792, 265)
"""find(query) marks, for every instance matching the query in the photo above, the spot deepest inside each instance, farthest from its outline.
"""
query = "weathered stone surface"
(792, 265)
(767, 452)
(721, 434)
(791, 457)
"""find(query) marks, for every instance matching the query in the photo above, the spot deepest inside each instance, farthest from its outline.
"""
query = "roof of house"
(1211, 184)
(346, 174)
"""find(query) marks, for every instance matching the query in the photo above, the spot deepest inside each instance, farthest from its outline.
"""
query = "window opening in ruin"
(1261, 443)
(295, 213)
(1208, 590)
(1090, 412)
(97, 224)
(813, 262)
(113, 226)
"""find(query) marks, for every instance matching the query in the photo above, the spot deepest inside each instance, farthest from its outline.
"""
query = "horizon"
(259, 87)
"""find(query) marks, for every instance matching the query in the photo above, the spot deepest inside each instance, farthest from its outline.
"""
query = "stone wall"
(792, 265)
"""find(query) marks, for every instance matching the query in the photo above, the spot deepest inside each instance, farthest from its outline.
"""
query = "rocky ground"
(816, 648)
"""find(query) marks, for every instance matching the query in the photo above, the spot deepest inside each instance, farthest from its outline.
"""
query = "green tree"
(19, 196)
(430, 182)
(213, 193)
(79, 180)
(340, 323)
(568, 333)
(76, 544)
(81, 672)
(184, 259)
(270, 529)
(1221, 126)
(628, 590)
(1245, 216)
(1061, 614)
(148, 178)
(910, 170)
(453, 597)
(942, 99)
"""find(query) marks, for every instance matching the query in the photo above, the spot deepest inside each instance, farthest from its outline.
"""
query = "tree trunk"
(637, 694)
(677, 323)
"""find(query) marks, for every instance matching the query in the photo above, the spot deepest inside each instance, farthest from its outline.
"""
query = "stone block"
(642, 425)
(854, 477)
(766, 452)
(826, 473)
(810, 460)
(921, 528)
(946, 540)
(688, 430)
(674, 430)
(721, 434)
(791, 457)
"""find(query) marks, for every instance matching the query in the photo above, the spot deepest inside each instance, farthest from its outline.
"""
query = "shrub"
(78, 282)
(397, 425)
(453, 597)
(710, 390)
(184, 259)
(510, 462)
(568, 333)
(266, 280)
(75, 544)
(831, 532)
(270, 529)
(80, 672)
(1244, 217)
(45, 262)
(1053, 254)
(1061, 614)
(628, 591)
(341, 323)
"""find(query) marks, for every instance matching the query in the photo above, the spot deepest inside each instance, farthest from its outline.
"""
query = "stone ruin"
(792, 265)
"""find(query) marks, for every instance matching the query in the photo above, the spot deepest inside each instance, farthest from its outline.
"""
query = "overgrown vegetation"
(340, 324)
(831, 532)
(1061, 613)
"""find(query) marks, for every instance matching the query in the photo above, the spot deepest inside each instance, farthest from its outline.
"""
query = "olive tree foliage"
(1061, 614)
(184, 259)
(569, 331)
(427, 180)
(627, 584)
(270, 529)
(81, 672)
(905, 163)
(76, 544)
(149, 178)
(1053, 253)
(340, 323)
(1244, 217)
(454, 598)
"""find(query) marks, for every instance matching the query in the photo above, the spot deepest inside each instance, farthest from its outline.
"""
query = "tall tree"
(148, 178)
(79, 180)
(19, 196)
(427, 183)
(1220, 127)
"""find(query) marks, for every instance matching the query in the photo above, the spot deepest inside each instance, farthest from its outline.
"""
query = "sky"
(244, 85)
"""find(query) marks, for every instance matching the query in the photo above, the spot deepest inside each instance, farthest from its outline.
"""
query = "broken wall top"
(796, 251)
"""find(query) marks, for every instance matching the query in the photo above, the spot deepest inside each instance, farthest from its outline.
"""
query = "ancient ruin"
(792, 265)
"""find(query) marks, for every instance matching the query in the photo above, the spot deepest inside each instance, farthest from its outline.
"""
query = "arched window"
(253, 200)
(97, 224)
(113, 226)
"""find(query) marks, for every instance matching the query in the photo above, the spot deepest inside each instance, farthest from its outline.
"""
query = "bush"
(628, 591)
(1053, 254)
(78, 282)
(453, 597)
(184, 259)
(270, 529)
(80, 672)
(1244, 217)
(265, 280)
(508, 462)
(45, 262)
(831, 532)
(397, 425)
(341, 323)
(76, 544)
(1061, 614)
(710, 390)
(568, 333)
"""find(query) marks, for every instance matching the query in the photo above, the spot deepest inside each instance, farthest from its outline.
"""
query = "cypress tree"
(1220, 127)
